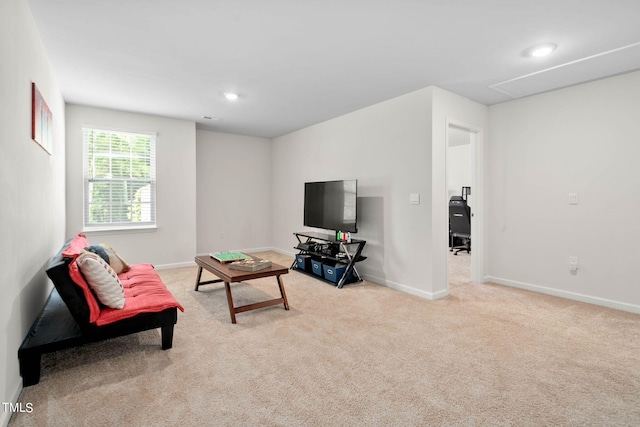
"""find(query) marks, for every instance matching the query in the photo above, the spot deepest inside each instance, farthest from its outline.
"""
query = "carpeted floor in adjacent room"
(364, 355)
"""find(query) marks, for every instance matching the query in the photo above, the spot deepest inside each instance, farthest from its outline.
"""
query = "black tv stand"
(325, 248)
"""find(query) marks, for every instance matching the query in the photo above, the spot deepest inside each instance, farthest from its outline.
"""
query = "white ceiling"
(295, 63)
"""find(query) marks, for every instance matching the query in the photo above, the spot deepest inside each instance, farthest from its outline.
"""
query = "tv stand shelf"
(325, 248)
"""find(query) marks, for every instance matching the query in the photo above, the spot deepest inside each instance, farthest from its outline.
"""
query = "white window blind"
(119, 179)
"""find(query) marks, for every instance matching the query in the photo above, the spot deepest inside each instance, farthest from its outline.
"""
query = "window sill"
(120, 230)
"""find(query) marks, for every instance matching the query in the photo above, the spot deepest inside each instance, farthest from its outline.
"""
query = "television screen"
(331, 205)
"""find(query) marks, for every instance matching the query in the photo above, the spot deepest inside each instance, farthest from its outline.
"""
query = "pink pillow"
(76, 276)
(76, 246)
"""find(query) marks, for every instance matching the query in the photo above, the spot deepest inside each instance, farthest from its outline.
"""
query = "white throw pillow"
(101, 278)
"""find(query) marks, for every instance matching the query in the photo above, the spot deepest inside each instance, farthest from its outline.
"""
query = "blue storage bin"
(335, 272)
(316, 267)
(303, 262)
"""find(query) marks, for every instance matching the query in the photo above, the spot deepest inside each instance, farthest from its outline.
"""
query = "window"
(119, 180)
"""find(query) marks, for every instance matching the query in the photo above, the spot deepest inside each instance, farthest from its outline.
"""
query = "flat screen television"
(331, 205)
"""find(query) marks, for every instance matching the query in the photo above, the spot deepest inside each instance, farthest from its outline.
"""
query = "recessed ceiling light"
(231, 96)
(541, 50)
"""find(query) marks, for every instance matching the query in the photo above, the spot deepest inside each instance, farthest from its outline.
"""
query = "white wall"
(234, 192)
(582, 139)
(450, 109)
(31, 188)
(387, 147)
(174, 241)
(394, 148)
(459, 164)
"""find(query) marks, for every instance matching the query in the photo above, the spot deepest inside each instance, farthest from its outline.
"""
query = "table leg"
(232, 310)
(198, 279)
(282, 293)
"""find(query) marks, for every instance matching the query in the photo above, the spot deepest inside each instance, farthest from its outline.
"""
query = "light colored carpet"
(363, 355)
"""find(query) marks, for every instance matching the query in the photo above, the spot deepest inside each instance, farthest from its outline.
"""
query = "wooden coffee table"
(229, 276)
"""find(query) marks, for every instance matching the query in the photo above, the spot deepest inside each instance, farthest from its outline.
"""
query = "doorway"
(463, 172)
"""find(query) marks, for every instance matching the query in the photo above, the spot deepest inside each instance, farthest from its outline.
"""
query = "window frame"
(89, 180)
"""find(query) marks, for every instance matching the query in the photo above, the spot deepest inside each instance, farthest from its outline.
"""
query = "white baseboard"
(566, 294)
(5, 416)
(175, 265)
(253, 250)
(384, 282)
(193, 263)
(283, 252)
(377, 280)
(405, 288)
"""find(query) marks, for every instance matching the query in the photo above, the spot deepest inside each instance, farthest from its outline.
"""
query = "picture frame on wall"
(41, 120)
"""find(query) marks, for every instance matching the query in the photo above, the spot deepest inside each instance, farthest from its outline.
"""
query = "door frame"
(477, 190)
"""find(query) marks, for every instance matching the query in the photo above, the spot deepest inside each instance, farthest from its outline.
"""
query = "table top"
(233, 276)
(326, 237)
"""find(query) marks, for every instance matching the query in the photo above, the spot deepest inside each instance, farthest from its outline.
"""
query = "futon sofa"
(75, 312)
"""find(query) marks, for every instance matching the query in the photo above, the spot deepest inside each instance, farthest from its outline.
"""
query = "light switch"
(414, 198)
(573, 198)
(573, 263)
